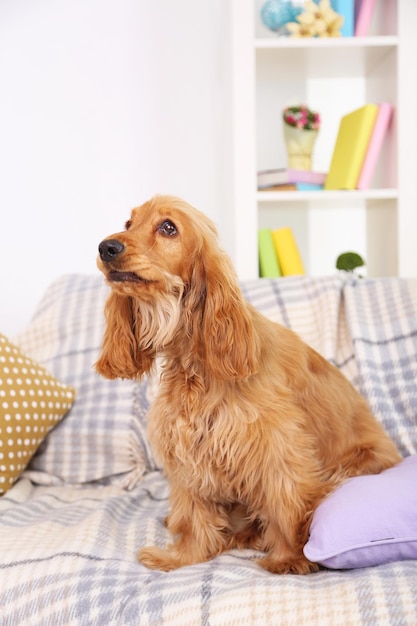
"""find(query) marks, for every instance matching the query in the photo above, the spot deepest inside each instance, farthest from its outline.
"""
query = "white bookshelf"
(333, 76)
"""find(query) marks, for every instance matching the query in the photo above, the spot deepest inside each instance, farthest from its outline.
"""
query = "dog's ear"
(120, 355)
(221, 327)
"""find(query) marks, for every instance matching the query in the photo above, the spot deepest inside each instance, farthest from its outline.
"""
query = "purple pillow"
(369, 520)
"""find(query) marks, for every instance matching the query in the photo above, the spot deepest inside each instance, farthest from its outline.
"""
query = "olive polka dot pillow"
(32, 401)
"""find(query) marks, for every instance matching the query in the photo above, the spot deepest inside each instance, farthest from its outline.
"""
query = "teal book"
(268, 262)
(308, 187)
(345, 8)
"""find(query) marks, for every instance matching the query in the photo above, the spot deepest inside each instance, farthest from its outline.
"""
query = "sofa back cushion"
(104, 436)
(382, 319)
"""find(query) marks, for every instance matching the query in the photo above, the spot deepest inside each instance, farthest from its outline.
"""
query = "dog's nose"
(109, 249)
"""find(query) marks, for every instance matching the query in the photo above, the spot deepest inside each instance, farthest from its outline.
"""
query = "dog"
(253, 427)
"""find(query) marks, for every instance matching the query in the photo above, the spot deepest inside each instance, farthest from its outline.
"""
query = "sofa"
(82, 491)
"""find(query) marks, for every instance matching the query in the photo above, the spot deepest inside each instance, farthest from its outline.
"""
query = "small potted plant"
(349, 262)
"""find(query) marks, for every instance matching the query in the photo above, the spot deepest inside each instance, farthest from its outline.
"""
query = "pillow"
(369, 520)
(104, 439)
(32, 402)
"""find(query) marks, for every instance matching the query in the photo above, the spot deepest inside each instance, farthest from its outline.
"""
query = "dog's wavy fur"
(253, 427)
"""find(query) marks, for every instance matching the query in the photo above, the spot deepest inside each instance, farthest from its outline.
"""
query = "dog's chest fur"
(200, 446)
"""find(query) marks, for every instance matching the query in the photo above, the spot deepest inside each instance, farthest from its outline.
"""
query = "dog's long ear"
(222, 330)
(120, 355)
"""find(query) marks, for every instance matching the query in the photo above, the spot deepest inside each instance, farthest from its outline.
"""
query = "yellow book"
(288, 254)
(352, 141)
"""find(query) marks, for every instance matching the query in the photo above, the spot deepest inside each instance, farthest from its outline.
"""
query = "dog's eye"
(128, 224)
(167, 228)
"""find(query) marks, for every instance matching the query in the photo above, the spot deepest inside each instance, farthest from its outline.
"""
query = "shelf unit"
(333, 76)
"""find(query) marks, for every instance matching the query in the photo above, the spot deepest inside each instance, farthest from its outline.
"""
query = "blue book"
(347, 9)
(308, 187)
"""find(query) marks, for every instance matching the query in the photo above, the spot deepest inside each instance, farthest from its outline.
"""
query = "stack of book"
(358, 145)
(278, 253)
(285, 179)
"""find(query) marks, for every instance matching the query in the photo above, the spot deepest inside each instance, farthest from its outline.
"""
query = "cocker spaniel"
(253, 427)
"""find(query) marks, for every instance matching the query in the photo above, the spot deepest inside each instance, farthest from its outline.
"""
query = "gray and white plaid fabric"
(104, 438)
(68, 551)
(68, 557)
(382, 318)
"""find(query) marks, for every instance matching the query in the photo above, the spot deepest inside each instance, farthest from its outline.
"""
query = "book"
(345, 8)
(285, 176)
(363, 17)
(283, 187)
(355, 130)
(308, 187)
(379, 132)
(288, 254)
(294, 187)
(268, 262)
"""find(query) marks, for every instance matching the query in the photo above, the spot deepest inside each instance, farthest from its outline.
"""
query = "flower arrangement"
(300, 126)
(317, 20)
(301, 117)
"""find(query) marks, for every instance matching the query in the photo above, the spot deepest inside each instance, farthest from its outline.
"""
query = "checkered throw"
(70, 530)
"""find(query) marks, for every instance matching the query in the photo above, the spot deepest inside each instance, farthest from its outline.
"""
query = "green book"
(268, 262)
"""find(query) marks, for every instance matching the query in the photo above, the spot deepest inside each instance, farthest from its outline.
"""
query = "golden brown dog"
(253, 427)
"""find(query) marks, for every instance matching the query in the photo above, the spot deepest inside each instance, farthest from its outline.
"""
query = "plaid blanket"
(68, 549)
(383, 327)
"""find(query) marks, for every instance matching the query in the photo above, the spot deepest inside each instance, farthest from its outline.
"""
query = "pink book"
(364, 17)
(382, 122)
(306, 176)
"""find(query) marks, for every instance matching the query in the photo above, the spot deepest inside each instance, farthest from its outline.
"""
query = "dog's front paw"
(298, 565)
(157, 558)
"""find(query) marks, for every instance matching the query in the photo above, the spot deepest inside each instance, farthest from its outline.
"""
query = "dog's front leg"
(199, 529)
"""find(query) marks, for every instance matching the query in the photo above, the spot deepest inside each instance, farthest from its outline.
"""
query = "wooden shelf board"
(321, 58)
(325, 196)
(326, 43)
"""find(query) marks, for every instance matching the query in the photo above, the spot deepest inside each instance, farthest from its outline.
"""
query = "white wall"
(102, 104)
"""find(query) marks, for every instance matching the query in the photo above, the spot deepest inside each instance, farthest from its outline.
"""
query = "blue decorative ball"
(276, 13)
